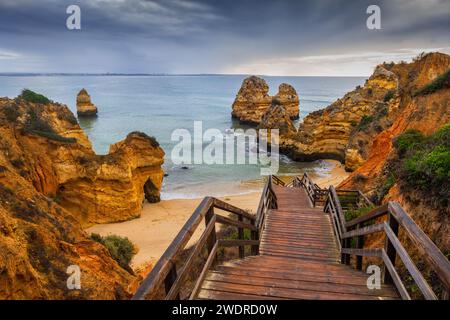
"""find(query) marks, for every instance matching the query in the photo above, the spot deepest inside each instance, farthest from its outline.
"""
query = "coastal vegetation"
(357, 212)
(121, 248)
(34, 97)
(441, 82)
(36, 125)
(424, 161)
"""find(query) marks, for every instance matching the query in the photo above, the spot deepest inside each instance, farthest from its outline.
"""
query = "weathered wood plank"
(285, 292)
(426, 247)
(164, 264)
(301, 285)
(208, 264)
(239, 224)
(409, 264)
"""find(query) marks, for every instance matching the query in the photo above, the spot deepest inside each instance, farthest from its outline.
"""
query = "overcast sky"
(321, 37)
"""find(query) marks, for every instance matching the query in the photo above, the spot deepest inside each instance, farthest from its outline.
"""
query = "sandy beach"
(160, 222)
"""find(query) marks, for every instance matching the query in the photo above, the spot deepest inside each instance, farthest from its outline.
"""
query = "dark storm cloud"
(216, 36)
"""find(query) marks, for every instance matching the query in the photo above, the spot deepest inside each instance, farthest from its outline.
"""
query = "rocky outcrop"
(253, 100)
(46, 146)
(346, 129)
(288, 98)
(85, 108)
(51, 184)
(277, 117)
(101, 189)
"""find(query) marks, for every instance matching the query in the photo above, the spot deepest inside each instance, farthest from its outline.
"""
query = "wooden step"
(298, 259)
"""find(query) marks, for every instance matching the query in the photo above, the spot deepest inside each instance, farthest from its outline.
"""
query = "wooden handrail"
(313, 190)
(278, 181)
(165, 271)
(397, 218)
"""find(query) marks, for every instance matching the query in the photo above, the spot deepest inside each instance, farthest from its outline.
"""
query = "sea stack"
(288, 98)
(277, 117)
(85, 108)
(253, 100)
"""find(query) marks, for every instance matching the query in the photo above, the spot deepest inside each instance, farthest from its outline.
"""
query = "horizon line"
(31, 74)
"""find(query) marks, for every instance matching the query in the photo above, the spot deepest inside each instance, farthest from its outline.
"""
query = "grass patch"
(34, 97)
(121, 248)
(441, 82)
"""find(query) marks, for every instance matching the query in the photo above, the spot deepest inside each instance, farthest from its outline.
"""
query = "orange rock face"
(52, 185)
(354, 127)
(54, 154)
(425, 113)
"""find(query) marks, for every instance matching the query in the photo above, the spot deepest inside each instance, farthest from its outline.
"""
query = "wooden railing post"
(359, 245)
(213, 237)
(170, 279)
(345, 258)
(255, 248)
(241, 237)
(389, 248)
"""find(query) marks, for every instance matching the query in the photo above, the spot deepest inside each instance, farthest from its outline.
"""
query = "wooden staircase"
(300, 248)
(298, 259)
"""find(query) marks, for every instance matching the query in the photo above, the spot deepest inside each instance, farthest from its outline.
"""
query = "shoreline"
(160, 222)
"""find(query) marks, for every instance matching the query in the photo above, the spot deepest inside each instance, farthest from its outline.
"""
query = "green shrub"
(389, 95)
(365, 121)
(33, 97)
(441, 82)
(121, 248)
(425, 167)
(408, 140)
(424, 162)
(355, 213)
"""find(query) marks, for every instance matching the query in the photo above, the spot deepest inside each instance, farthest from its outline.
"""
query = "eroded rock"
(85, 108)
(253, 100)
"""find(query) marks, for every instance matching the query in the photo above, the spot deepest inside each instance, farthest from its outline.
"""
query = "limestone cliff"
(39, 240)
(408, 109)
(85, 108)
(346, 129)
(253, 100)
(46, 146)
(51, 184)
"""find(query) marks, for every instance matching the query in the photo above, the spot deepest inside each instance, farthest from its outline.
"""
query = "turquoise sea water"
(157, 105)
